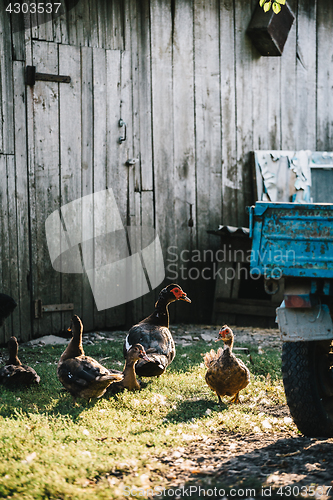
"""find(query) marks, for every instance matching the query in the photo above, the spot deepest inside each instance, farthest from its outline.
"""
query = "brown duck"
(14, 374)
(226, 374)
(129, 381)
(81, 375)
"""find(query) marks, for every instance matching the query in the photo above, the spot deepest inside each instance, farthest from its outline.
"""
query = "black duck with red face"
(154, 335)
(14, 374)
(81, 375)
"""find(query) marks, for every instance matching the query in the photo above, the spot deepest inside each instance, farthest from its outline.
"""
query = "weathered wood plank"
(100, 140)
(144, 85)
(266, 102)
(116, 172)
(128, 112)
(324, 139)
(87, 170)
(306, 75)
(13, 241)
(143, 135)
(71, 24)
(130, 102)
(22, 202)
(208, 119)
(44, 184)
(70, 159)
(132, 42)
(17, 22)
(162, 117)
(93, 9)
(147, 218)
(184, 136)
(45, 28)
(60, 31)
(6, 330)
(260, 100)
(82, 16)
(101, 19)
(29, 96)
(115, 25)
(131, 34)
(228, 106)
(288, 87)
(244, 97)
(6, 84)
(34, 24)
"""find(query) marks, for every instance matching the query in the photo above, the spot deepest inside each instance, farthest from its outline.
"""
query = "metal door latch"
(121, 123)
(131, 162)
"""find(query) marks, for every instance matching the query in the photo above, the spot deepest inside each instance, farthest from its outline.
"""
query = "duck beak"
(144, 356)
(219, 337)
(185, 297)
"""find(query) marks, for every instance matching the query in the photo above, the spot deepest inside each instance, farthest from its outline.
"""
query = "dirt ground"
(260, 465)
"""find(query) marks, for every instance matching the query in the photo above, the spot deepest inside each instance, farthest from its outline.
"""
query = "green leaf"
(261, 2)
(267, 6)
(276, 8)
(282, 2)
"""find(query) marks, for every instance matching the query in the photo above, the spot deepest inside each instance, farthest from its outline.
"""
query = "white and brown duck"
(226, 374)
(154, 335)
(129, 381)
(14, 373)
(81, 375)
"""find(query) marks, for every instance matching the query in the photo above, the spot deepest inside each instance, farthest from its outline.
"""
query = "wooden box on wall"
(269, 31)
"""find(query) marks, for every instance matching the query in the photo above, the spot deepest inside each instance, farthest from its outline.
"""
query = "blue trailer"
(295, 242)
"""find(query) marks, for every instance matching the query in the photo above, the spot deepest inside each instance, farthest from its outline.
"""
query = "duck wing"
(85, 377)
(227, 375)
(13, 375)
(158, 344)
(155, 339)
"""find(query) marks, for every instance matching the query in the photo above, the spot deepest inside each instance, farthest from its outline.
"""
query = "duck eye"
(177, 292)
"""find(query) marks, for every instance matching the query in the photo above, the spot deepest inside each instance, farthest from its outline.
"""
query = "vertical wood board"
(228, 110)
(6, 85)
(324, 118)
(22, 202)
(70, 159)
(306, 75)
(208, 118)
(45, 183)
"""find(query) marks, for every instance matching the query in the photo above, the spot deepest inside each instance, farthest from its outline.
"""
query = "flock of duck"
(148, 350)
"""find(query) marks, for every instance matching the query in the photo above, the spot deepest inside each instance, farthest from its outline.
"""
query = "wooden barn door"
(74, 150)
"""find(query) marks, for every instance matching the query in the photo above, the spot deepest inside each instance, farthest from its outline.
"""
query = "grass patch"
(52, 449)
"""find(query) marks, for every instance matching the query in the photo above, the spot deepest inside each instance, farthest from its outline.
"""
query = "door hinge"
(31, 77)
(40, 309)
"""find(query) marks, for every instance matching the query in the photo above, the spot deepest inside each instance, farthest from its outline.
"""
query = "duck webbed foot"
(235, 398)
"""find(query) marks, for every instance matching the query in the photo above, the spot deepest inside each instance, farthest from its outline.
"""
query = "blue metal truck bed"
(291, 239)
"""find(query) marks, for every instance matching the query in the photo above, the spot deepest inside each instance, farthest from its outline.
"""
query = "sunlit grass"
(53, 449)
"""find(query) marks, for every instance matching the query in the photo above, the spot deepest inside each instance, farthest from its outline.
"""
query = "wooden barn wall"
(197, 98)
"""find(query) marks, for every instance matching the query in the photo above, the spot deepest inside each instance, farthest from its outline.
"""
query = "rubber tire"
(304, 364)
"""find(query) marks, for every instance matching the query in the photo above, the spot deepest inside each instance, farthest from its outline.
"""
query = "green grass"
(53, 449)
